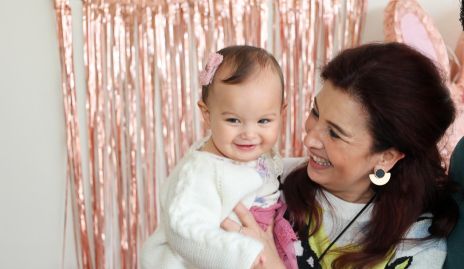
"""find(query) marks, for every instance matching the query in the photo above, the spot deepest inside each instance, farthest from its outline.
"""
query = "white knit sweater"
(199, 194)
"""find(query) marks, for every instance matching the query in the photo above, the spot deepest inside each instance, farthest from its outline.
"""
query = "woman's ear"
(204, 112)
(389, 158)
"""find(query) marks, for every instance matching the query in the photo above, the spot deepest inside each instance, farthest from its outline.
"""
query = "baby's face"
(245, 118)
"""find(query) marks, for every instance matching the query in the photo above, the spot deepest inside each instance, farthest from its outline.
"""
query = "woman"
(373, 192)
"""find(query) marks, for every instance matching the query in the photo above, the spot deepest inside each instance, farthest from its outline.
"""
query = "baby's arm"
(193, 214)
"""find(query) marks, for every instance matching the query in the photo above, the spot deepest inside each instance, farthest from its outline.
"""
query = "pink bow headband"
(206, 75)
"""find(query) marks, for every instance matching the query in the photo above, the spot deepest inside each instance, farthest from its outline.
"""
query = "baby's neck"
(211, 148)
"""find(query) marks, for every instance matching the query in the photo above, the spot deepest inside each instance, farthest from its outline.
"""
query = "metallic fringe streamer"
(308, 28)
(142, 59)
(74, 163)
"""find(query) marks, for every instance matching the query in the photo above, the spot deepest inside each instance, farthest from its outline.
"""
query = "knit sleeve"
(193, 215)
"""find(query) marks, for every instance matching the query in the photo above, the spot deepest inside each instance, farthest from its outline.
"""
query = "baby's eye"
(264, 121)
(233, 120)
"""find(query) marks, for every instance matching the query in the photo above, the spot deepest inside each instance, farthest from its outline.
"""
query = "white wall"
(32, 136)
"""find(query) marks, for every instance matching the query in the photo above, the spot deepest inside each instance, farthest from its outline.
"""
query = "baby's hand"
(268, 258)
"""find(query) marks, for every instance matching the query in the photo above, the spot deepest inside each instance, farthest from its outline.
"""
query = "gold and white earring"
(379, 177)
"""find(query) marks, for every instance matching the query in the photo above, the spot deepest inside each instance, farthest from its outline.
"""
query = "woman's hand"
(269, 258)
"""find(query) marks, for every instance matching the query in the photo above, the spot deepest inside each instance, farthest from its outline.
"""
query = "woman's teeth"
(320, 161)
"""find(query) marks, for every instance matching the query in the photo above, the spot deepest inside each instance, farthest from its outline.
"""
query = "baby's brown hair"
(243, 61)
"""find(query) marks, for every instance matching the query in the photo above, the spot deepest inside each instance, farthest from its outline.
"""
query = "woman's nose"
(313, 138)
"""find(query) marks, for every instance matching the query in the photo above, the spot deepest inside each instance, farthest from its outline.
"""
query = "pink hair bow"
(206, 75)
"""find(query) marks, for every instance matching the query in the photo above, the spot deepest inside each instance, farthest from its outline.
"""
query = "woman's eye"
(314, 113)
(264, 121)
(333, 134)
(233, 120)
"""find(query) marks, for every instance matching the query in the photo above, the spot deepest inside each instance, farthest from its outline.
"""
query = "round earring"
(379, 177)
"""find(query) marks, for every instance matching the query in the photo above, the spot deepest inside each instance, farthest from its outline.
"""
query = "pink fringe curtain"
(142, 60)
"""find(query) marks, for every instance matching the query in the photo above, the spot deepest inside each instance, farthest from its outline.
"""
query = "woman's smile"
(318, 162)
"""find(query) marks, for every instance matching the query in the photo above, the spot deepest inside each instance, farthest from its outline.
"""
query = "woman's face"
(339, 145)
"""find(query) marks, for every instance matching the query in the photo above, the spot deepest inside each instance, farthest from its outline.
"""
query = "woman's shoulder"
(417, 252)
(291, 163)
(429, 253)
(420, 228)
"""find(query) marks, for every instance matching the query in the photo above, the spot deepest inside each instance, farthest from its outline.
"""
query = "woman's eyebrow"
(338, 128)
